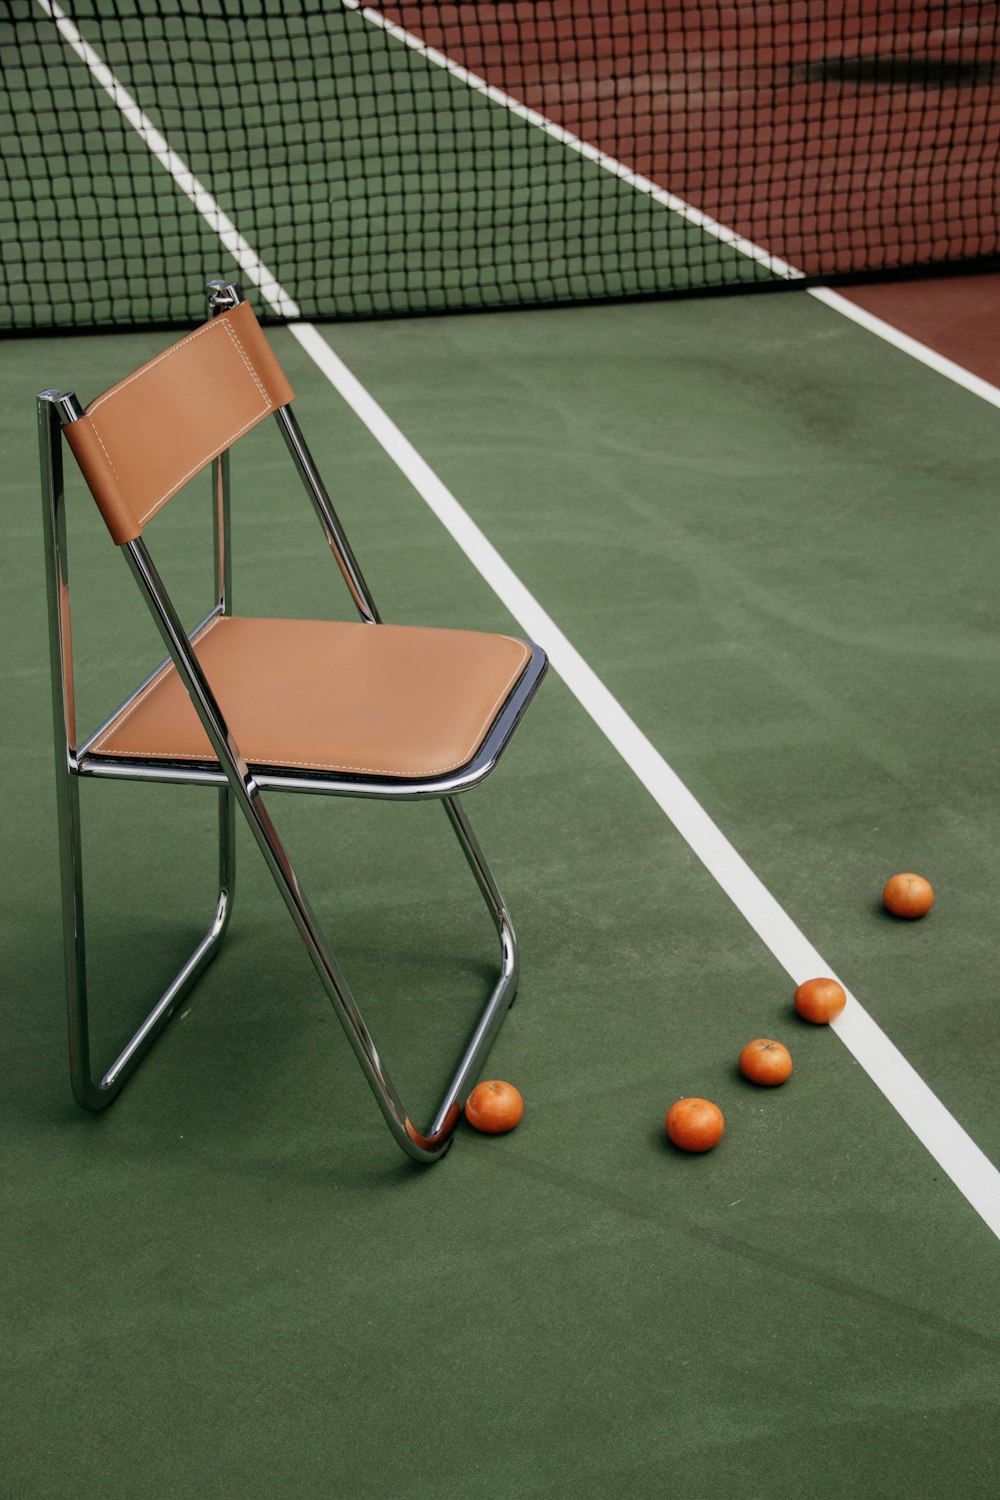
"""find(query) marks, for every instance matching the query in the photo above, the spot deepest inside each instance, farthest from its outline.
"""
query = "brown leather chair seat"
(386, 700)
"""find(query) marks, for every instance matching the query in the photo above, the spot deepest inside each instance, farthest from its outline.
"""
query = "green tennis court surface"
(353, 209)
(774, 539)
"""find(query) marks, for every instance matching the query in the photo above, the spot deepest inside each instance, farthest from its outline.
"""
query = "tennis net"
(409, 158)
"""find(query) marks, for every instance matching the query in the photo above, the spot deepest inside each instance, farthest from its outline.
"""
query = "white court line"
(954, 1150)
(196, 192)
(911, 346)
(679, 206)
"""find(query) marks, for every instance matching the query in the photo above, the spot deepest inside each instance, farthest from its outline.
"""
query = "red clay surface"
(812, 130)
(958, 316)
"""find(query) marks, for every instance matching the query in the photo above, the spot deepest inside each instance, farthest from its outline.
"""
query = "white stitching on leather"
(318, 765)
(156, 505)
(226, 441)
(137, 374)
(107, 455)
(245, 358)
(165, 670)
(207, 328)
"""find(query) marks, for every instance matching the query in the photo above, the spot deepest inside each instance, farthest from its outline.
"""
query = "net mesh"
(414, 158)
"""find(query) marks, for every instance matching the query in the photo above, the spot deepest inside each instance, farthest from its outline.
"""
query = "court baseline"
(951, 1146)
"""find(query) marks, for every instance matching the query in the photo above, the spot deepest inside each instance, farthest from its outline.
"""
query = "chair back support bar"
(57, 573)
(140, 442)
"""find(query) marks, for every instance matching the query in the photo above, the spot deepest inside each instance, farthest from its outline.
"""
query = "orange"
(695, 1124)
(494, 1106)
(820, 1000)
(765, 1061)
(908, 895)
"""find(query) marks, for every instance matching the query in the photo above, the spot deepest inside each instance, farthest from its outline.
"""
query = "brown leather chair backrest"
(140, 442)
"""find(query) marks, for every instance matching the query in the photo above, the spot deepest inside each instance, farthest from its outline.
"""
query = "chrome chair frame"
(239, 787)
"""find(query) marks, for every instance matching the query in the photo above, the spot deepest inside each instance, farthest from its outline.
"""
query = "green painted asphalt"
(774, 539)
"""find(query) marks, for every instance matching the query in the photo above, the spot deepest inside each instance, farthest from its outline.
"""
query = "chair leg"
(422, 1146)
(96, 1094)
(502, 997)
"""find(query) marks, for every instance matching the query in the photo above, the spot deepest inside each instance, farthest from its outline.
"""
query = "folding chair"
(247, 705)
